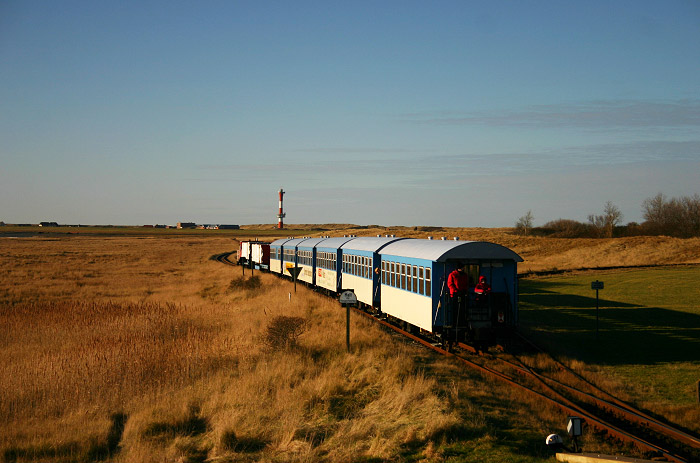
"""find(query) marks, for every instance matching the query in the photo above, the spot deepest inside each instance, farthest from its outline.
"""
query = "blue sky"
(450, 113)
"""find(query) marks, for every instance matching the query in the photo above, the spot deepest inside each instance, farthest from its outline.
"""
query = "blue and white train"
(406, 279)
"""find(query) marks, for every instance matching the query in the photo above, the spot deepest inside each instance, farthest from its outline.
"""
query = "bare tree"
(605, 224)
(654, 209)
(675, 217)
(524, 224)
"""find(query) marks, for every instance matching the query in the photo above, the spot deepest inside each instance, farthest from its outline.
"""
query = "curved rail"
(224, 258)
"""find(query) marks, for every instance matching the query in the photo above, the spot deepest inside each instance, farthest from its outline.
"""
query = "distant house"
(229, 227)
(186, 225)
(2, 224)
(48, 224)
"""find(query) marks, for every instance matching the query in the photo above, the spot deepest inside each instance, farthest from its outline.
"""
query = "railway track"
(577, 397)
(224, 258)
(599, 409)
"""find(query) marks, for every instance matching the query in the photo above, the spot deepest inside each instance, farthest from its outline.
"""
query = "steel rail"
(572, 409)
(615, 405)
(224, 258)
(626, 412)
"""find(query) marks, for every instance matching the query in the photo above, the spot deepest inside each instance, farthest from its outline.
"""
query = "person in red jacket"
(482, 287)
(458, 282)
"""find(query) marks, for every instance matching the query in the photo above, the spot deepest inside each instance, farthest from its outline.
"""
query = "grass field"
(139, 348)
(648, 336)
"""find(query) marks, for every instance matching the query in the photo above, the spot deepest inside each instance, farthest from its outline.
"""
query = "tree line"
(678, 217)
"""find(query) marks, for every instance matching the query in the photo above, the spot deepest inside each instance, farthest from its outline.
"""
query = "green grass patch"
(648, 325)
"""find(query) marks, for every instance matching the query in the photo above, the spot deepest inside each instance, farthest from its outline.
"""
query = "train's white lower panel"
(361, 286)
(413, 308)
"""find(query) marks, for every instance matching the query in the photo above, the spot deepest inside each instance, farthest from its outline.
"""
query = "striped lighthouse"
(280, 215)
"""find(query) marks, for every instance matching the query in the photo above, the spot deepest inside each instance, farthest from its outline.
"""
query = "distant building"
(48, 224)
(229, 227)
(186, 225)
(2, 224)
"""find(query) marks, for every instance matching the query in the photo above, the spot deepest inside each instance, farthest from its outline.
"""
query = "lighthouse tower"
(280, 215)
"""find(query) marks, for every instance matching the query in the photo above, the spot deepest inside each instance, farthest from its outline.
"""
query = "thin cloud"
(422, 170)
(630, 114)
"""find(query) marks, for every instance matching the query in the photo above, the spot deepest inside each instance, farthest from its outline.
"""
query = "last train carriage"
(414, 287)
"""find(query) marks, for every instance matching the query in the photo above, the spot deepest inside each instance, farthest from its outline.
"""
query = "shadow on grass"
(94, 450)
(627, 333)
(243, 444)
(193, 424)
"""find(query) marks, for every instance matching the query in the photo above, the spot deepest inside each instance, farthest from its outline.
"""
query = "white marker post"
(347, 298)
(597, 285)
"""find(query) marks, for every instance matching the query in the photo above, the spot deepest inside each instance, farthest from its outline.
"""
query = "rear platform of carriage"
(414, 289)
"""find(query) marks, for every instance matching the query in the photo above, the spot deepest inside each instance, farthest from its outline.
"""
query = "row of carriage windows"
(304, 258)
(405, 276)
(326, 260)
(408, 277)
(360, 266)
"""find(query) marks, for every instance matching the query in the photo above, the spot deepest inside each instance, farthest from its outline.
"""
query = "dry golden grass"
(142, 349)
(131, 349)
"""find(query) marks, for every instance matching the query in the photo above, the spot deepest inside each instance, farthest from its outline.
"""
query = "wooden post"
(347, 327)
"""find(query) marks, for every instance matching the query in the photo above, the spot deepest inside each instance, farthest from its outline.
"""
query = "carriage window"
(415, 279)
(403, 276)
(421, 281)
(427, 281)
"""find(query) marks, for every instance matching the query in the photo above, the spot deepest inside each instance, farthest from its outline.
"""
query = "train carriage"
(329, 263)
(244, 249)
(361, 265)
(307, 260)
(260, 254)
(276, 254)
(414, 286)
(291, 258)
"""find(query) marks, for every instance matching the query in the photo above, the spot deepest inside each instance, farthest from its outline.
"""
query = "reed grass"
(141, 349)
